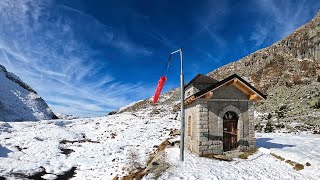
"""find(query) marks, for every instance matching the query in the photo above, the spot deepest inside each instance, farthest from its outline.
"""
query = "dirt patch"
(66, 151)
(68, 174)
(153, 166)
(159, 167)
(135, 176)
(78, 141)
(245, 154)
(160, 147)
(290, 162)
(277, 156)
(113, 135)
(19, 148)
(219, 157)
(296, 166)
(38, 175)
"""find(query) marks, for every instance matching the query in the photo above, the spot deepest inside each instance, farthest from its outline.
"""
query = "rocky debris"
(165, 106)
(67, 116)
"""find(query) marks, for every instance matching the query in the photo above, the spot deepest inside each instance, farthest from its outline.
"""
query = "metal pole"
(182, 106)
(182, 110)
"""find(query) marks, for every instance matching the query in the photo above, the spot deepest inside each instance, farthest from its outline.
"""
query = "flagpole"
(182, 106)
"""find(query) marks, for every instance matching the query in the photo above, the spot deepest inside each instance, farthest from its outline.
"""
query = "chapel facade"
(219, 114)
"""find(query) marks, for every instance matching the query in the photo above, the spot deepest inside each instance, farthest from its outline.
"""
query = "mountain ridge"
(19, 102)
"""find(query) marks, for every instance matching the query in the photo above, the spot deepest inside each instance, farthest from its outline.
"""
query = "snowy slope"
(301, 148)
(102, 148)
(18, 101)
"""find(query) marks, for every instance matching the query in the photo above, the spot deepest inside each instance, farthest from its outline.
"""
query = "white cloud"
(42, 47)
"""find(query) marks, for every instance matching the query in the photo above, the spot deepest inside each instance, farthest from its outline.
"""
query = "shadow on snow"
(4, 151)
(264, 142)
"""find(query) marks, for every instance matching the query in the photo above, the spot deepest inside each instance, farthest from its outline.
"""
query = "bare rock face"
(19, 102)
(291, 61)
(287, 71)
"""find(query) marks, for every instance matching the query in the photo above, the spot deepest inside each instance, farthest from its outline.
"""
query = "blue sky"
(90, 57)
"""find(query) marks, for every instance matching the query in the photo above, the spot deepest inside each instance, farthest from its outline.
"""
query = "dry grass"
(136, 169)
(277, 156)
(217, 157)
(245, 154)
(159, 167)
(161, 147)
(298, 167)
(292, 163)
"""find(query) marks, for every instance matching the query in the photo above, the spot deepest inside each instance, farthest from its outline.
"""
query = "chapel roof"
(235, 80)
(200, 78)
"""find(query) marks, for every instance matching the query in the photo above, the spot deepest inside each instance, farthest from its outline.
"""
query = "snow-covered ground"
(27, 146)
(301, 148)
(105, 147)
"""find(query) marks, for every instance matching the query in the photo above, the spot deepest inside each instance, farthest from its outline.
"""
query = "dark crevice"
(78, 141)
(66, 151)
(38, 176)
(68, 174)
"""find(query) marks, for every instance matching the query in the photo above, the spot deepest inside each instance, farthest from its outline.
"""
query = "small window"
(188, 93)
(189, 126)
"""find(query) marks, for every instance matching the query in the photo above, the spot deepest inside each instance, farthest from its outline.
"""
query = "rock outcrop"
(287, 71)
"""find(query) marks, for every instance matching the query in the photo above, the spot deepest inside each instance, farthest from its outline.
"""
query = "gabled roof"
(200, 78)
(235, 80)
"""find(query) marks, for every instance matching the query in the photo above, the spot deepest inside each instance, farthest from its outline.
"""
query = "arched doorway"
(230, 132)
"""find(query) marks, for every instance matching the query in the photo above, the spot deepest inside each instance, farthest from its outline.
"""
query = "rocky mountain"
(288, 72)
(19, 102)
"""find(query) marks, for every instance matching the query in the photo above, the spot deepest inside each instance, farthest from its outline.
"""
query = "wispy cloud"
(212, 19)
(209, 57)
(259, 35)
(283, 17)
(116, 39)
(130, 48)
(46, 49)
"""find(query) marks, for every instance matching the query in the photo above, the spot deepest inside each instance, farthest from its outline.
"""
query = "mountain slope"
(19, 102)
(287, 71)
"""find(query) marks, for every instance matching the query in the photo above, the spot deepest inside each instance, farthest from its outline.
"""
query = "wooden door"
(229, 134)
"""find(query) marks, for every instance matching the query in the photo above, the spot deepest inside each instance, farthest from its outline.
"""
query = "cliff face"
(288, 72)
(291, 61)
(19, 102)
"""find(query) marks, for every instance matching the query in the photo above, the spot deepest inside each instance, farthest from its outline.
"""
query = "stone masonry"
(204, 123)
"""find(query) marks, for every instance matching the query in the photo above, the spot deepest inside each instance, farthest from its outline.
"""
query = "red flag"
(161, 82)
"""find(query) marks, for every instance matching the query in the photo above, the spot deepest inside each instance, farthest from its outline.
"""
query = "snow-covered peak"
(19, 102)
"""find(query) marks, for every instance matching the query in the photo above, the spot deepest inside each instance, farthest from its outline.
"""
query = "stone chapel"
(219, 114)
